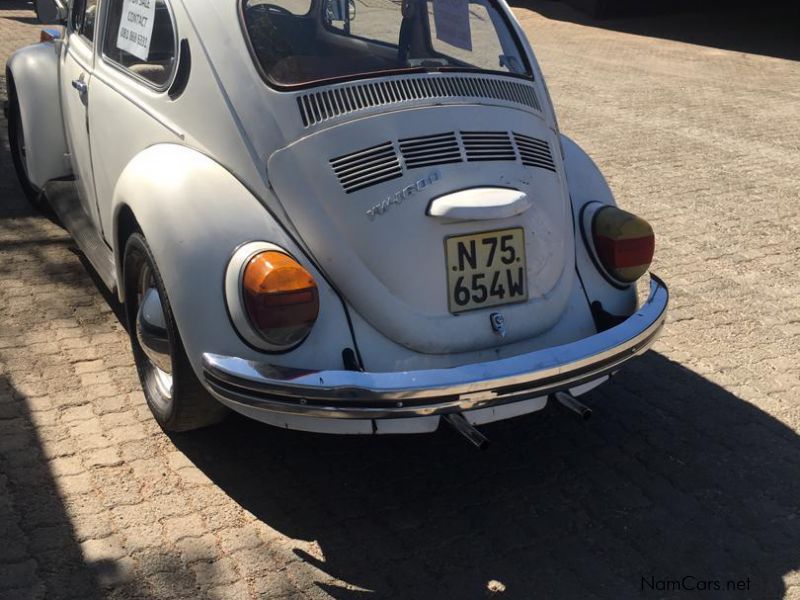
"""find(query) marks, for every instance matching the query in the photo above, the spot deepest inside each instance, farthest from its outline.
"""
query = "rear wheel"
(16, 140)
(175, 396)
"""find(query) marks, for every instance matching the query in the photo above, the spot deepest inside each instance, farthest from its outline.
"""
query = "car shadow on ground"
(19, 5)
(675, 478)
(42, 555)
(24, 20)
(767, 28)
(39, 546)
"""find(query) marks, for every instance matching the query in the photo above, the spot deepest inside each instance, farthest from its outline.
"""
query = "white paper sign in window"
(451, 19)
(136, 27)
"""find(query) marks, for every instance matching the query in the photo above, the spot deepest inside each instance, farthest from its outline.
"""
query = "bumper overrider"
(363, 395)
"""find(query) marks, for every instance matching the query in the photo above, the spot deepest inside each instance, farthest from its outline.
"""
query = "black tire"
(16, 142)
(189, 406)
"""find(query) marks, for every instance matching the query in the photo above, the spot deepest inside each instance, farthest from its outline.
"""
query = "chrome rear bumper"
(362, 395)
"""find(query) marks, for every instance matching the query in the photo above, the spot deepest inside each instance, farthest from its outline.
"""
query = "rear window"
(298, 42)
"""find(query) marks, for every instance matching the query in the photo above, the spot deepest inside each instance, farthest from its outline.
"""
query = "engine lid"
(359, 194)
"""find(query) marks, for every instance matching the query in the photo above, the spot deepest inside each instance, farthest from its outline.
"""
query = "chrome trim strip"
(352, 394)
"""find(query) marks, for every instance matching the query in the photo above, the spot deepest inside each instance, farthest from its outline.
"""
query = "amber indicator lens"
(281, 298)
(624, 243)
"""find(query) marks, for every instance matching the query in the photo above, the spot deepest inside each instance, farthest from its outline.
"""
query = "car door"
(76, 76)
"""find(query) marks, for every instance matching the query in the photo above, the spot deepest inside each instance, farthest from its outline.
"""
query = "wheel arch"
(33, 78)
(125, 224)
(194, 214)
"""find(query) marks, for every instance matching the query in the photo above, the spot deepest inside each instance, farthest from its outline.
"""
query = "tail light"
(624, 243)
(280, 298)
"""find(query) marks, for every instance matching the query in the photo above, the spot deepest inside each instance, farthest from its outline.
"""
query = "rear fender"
(34, 71)
(587, 186)
(195, 214)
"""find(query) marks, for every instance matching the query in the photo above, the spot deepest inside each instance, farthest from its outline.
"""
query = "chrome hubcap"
(151, 332)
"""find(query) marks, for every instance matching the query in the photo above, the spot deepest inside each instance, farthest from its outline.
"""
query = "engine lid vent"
(376, 164)
(335, 102)
(488, 145)
(534, 152)
(367, 167)
(425, 151)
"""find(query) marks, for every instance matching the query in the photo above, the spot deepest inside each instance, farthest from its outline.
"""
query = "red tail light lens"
(624, 243)
(280, 297)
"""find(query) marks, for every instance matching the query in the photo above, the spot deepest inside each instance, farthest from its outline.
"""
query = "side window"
(84, 13)
(141, 38)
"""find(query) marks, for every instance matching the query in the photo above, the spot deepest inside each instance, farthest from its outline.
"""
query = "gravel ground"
(691, 468)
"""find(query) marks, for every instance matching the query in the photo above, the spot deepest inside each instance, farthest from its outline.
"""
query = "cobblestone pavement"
(691, 467)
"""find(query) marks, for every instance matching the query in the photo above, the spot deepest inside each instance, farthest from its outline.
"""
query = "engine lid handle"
(480, 204)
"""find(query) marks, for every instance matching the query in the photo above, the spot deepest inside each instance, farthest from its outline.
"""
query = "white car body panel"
(381, 353)
(394, 279)
(35, 72)
(77, 65)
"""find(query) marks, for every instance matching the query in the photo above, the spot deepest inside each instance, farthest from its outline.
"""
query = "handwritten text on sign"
(451, 18)
(136, 27)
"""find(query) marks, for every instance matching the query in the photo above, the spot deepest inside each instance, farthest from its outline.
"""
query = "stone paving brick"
(77, 413)
(108, 548)
(194, 549)
(87, 366)
(104, 457)
(241, 538)
(192, 478)
(177, 528)
(34, 592)
(274, 585)
(253, 562)
(9, 411)
(143, 537)
(233, 590)
(220, 571)
(113, 404)
(128, 433)
(114, 573)
(17, 574)
(82, 483)
(70, 465)
(90, 526)
(179, 583)
(55, 537)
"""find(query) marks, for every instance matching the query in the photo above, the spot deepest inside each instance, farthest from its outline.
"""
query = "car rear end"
(419, 164)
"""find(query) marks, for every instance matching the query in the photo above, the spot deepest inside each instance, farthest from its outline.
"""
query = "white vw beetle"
(328, 215)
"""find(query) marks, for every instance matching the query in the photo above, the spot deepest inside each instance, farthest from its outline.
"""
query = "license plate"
(486, 269)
